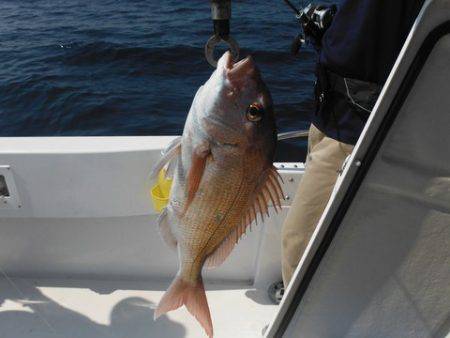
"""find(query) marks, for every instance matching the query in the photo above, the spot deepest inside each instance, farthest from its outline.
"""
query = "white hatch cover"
(379, 263)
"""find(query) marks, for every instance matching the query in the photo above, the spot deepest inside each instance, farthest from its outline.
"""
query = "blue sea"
(103, 67)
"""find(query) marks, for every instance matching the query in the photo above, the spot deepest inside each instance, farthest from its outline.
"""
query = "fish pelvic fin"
(171, 153)
(192, 296)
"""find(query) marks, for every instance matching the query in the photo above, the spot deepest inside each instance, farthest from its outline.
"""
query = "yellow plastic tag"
(160, 192)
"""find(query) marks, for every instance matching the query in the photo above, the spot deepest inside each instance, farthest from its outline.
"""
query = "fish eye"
(254, 112)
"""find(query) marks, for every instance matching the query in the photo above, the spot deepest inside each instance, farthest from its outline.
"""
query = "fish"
(223, 179)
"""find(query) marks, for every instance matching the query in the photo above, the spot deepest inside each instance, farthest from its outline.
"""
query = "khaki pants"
(324, 161)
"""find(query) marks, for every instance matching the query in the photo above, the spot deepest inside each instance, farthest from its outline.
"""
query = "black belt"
(361, 96)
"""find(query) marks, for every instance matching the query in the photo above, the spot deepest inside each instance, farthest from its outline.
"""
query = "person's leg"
(324, 161)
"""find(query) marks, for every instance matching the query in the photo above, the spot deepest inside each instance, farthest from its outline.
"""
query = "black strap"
(361, 96)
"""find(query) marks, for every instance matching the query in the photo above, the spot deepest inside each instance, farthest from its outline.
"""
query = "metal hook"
(221, 15)
(214, 41)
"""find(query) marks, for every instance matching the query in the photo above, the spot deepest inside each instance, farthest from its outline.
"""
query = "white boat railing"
(293, 134)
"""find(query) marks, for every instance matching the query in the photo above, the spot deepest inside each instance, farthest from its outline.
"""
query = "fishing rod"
(314, 20)
(296, 11)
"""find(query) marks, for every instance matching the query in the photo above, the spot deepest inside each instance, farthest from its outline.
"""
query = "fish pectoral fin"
(195, 174)
(268, 190)
(164, 230)
(170, 153)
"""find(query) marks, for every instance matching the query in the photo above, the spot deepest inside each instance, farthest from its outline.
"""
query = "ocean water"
(108, 67)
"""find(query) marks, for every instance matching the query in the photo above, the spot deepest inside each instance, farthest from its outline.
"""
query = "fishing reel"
(314, 19)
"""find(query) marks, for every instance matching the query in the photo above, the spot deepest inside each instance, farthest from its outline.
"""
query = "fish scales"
(224, 177)
(221, 189)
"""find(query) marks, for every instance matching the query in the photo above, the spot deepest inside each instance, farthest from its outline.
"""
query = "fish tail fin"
(192, 296)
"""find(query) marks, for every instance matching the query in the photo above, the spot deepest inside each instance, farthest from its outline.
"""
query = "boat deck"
(42, 308)
(97, 222)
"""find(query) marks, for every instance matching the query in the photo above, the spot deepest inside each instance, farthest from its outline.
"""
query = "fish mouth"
(244, 69)
(246, 64)
(237, 72)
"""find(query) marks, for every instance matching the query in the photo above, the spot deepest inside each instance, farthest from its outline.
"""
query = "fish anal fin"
(195, 174)
(165, 231)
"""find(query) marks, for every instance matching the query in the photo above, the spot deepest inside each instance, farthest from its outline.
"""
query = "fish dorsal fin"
(170, 153)
(268, 190)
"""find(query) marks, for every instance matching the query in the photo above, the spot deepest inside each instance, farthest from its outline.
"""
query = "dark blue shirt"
(363, 43)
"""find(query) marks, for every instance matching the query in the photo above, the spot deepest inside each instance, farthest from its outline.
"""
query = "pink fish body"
(223, 176)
